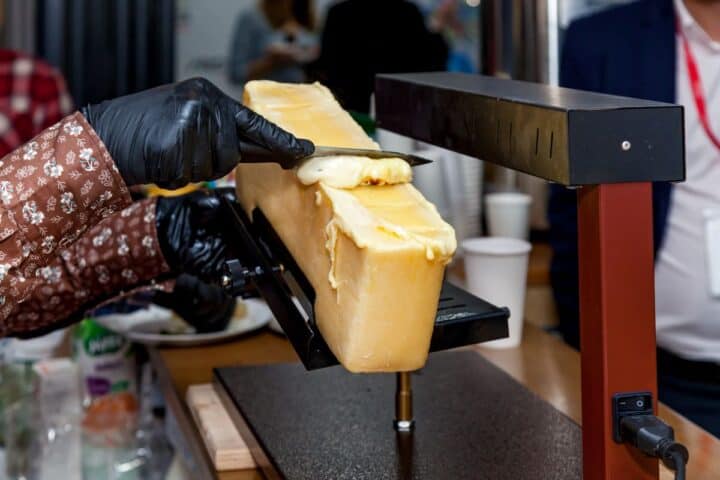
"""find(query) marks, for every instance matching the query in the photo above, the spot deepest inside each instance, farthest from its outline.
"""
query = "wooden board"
(226, 448)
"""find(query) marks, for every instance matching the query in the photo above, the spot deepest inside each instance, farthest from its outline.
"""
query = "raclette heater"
(474, 420)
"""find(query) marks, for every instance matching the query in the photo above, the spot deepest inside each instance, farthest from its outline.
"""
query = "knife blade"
(253, 153)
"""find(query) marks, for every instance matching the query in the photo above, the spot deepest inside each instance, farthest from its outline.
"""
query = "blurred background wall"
(106, 48)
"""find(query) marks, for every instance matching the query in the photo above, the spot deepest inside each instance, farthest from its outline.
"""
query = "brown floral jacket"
(65, 240)
(115, 258)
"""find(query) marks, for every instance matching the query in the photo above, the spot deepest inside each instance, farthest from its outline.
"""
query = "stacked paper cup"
(508, 214)
(496, 266)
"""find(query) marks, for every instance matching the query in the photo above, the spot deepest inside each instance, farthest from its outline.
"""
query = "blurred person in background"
(272, 41)
(460, 26)
(674, 57)
(33, 96)
(362, 38)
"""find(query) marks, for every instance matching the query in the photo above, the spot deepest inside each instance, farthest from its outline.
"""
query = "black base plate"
(473, 421)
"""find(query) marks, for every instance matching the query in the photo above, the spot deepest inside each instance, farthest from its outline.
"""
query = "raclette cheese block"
(375, 254)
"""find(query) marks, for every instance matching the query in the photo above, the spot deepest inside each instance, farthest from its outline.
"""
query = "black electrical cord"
(679, 465)
(655, 438)
(674, 456)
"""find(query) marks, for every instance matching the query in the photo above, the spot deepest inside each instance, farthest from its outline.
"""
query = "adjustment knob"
(238, 280)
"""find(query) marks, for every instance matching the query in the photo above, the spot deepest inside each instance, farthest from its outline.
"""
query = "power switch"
(630, 404)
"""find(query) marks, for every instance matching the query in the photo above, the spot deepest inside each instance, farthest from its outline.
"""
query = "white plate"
(257, 316)
(274, 325)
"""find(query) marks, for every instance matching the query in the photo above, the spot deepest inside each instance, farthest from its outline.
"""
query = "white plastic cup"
(496, 270)
(508, 214)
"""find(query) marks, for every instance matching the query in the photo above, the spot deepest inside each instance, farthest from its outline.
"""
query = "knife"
(253, 153)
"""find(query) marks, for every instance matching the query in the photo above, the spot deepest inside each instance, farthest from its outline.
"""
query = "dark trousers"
(690, 388)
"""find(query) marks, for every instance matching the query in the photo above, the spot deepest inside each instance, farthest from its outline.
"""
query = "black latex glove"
(184, 132)
(206, 307)
(190, 232)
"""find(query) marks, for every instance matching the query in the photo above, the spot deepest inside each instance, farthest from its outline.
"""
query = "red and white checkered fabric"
(33, 96)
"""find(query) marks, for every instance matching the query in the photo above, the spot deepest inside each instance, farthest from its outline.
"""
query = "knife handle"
(254, 153)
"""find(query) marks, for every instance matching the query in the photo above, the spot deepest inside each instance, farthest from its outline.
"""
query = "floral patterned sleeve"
(52, 189)
(117, 256)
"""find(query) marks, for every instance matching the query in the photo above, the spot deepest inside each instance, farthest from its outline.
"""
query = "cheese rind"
(375, 255)
(307, 110)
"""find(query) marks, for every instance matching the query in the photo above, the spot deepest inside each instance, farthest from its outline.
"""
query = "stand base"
(472, 421)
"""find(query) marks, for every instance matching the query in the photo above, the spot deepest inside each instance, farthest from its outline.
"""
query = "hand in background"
(281, 54)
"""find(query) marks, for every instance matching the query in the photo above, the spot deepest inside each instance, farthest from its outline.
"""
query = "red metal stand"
(617, 320)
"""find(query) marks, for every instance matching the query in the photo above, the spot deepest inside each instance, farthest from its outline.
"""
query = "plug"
(630, 404)
(635, 423)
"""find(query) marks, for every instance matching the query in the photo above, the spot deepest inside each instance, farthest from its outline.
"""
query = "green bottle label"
(97, 340)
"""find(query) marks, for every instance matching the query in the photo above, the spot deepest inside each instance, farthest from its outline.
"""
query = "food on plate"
(177, 326)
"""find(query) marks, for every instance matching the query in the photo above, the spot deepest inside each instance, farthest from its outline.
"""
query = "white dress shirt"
(688, 317)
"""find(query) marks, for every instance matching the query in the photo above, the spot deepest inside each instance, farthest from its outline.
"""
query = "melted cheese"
(379, 217)
(350, 172)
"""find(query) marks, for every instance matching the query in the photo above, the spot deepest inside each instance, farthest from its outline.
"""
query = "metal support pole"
(617, 320)
(403, 403)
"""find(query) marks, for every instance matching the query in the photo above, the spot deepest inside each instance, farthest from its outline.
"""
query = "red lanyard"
(696, 85)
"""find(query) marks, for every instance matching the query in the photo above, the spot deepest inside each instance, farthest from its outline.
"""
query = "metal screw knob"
(238, 280)
(626, 145)
(235, 278)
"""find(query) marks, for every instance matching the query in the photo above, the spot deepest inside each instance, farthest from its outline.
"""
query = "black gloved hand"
(206, 307)
(183, 132)
(189, 229)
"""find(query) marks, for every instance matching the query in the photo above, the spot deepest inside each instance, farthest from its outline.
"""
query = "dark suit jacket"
(628, 50)
(362, 38)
